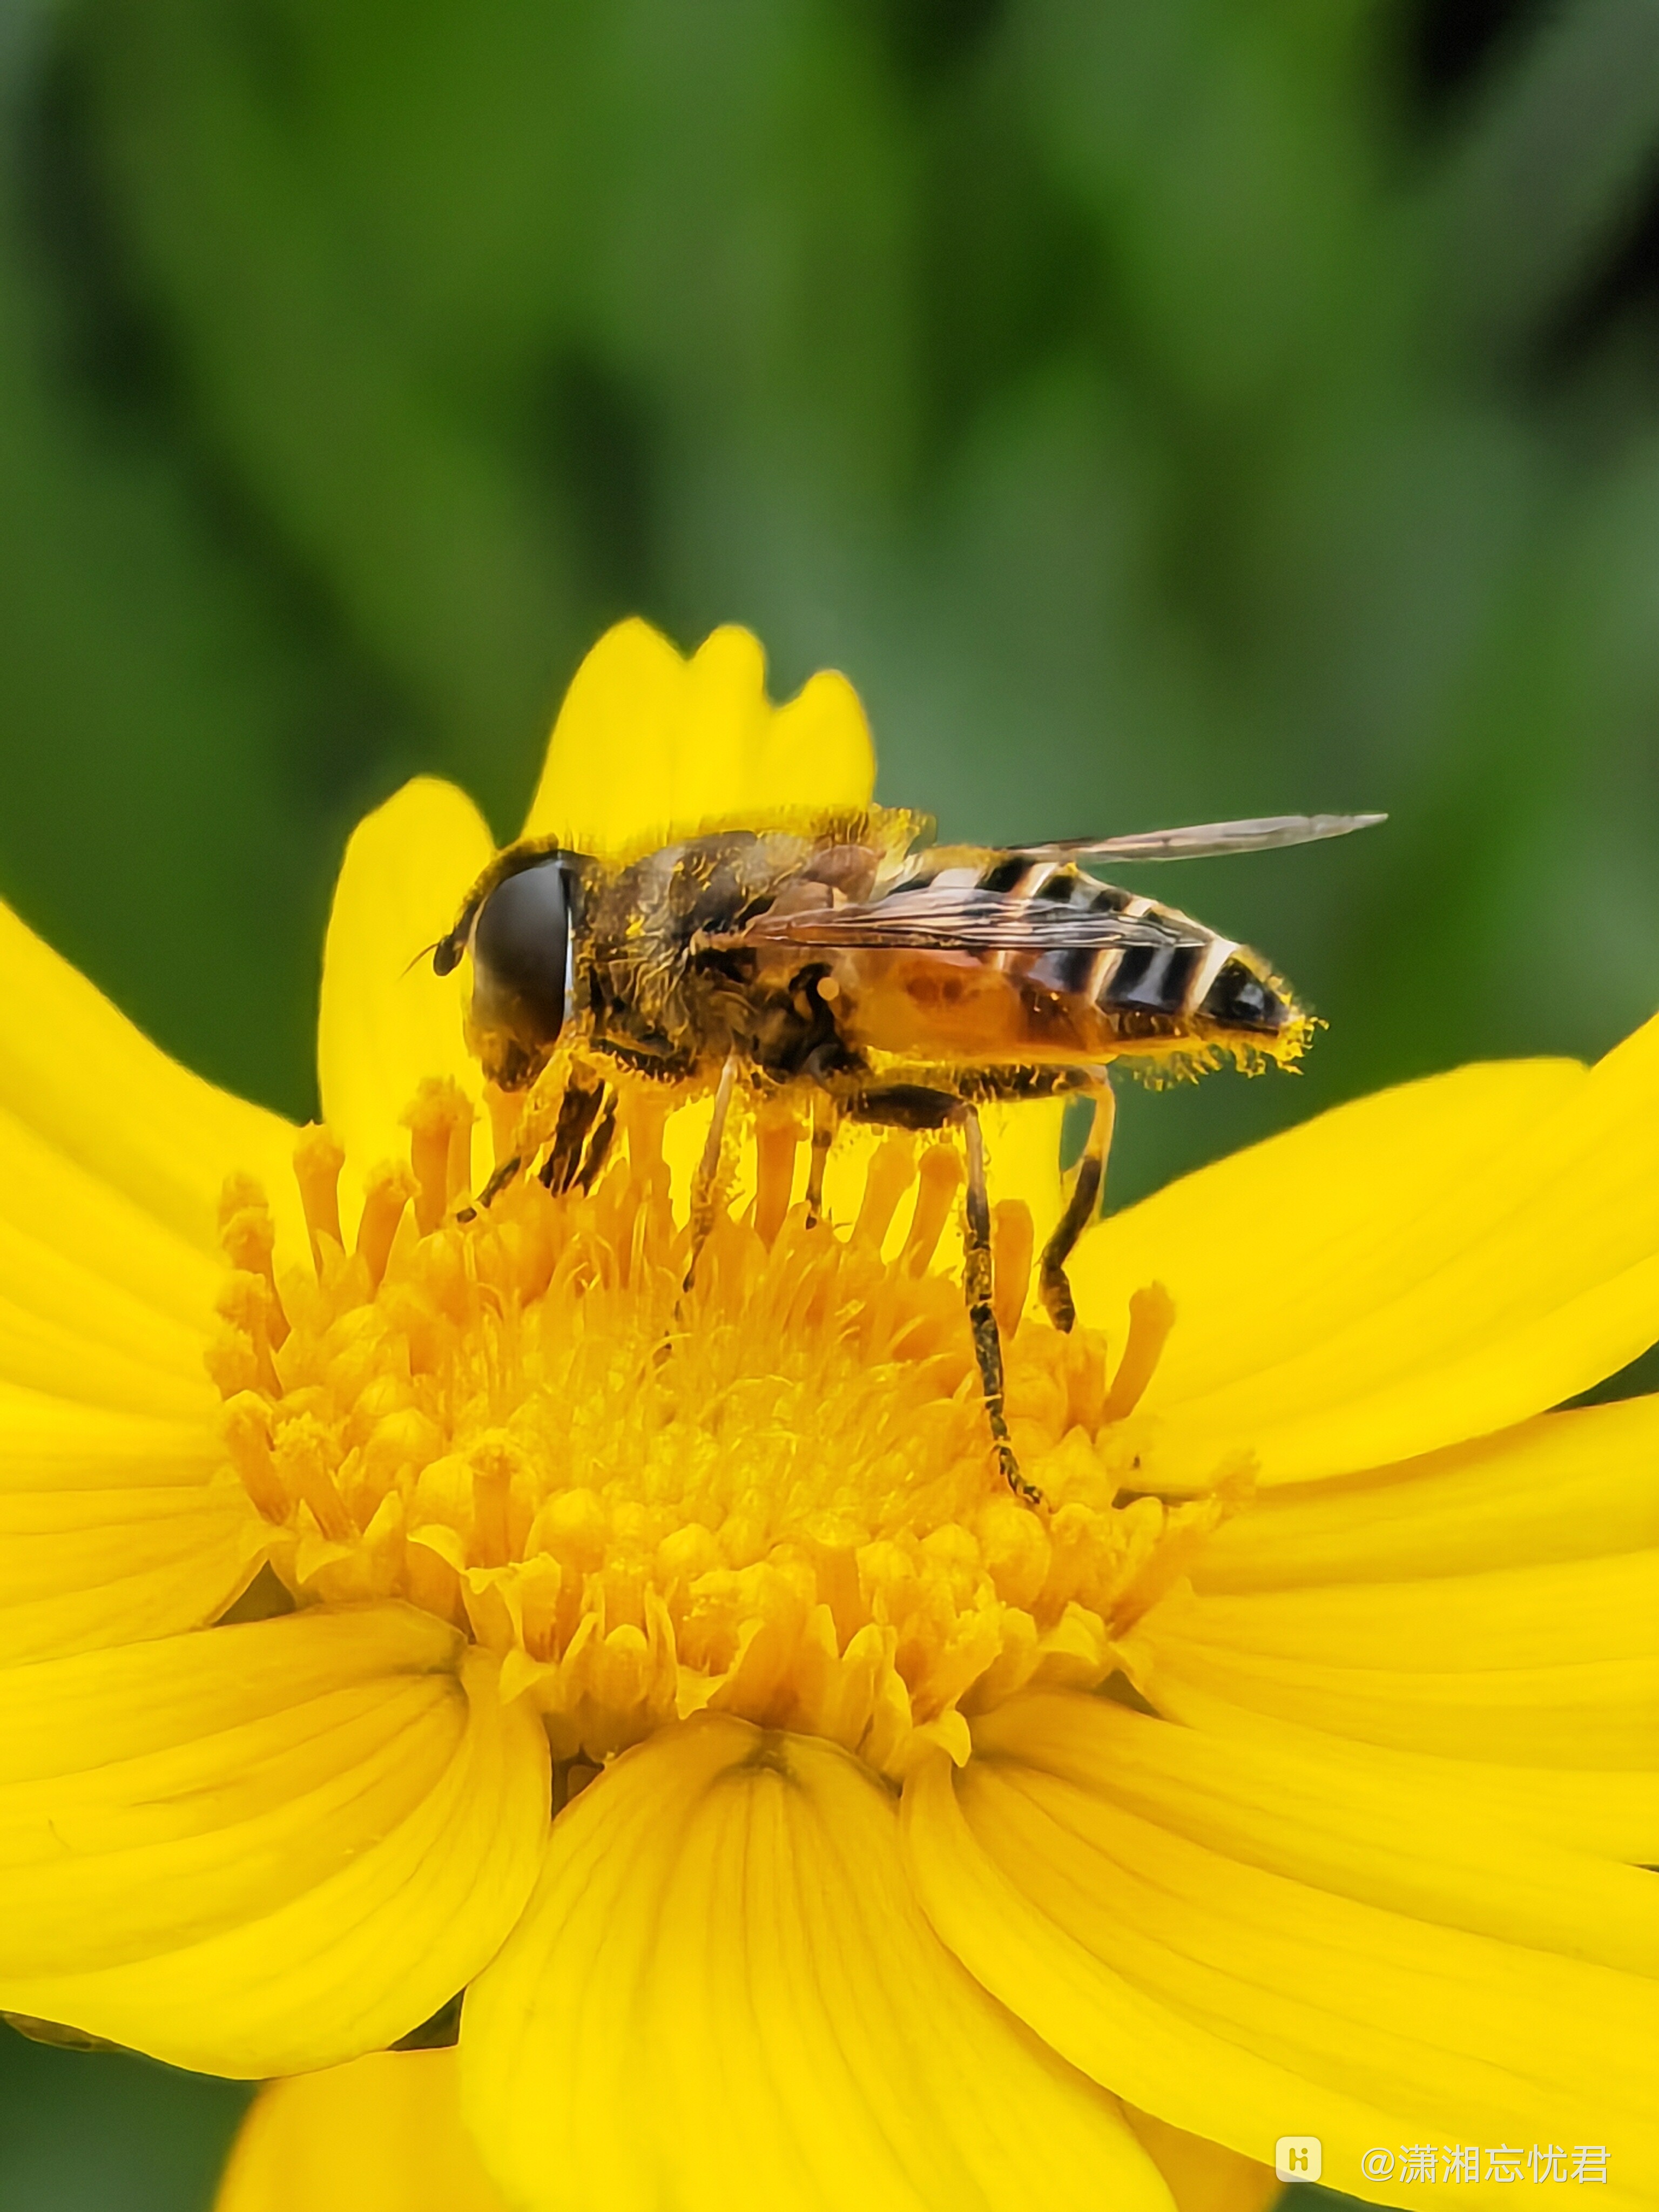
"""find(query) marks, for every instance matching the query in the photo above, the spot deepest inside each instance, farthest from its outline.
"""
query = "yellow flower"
(1289, 1776)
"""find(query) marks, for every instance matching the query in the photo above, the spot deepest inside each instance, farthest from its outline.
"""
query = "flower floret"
(771, 1496)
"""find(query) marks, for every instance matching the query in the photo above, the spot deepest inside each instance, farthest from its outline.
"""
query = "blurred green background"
(1163, 409)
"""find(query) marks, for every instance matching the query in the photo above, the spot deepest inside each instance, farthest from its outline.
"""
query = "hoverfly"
(848, 960)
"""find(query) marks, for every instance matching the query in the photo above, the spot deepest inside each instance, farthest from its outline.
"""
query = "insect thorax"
(658, 999)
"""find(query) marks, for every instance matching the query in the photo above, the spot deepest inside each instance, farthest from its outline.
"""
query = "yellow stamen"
(300, 1454)
(939, 1174)
(1014, 1241)
(245, 1425)
(1152, 1316)
(440, 1123)
(245, 1302)
(505, 1109)
(773, 1495)
(318, 1159)
(249, 1236)
(390, 1189)
(777, 1139)
(892, 1170)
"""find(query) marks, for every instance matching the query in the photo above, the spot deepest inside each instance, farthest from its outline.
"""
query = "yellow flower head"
(1282, 1776)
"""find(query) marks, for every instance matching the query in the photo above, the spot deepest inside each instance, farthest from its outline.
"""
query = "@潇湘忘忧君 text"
(1301, 2158)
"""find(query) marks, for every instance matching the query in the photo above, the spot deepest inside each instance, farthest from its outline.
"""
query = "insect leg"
(518, 1128)
(706, 1182)
(1080, 1209)
(577, 1109)
(599, 1144)
(492, 1190)
(978, 1284)
(825, 1115)
(920, 1106)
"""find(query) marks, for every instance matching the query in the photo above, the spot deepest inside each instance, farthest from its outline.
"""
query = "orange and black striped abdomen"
(1175, 991)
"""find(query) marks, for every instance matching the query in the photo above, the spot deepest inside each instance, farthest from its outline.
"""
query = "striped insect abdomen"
(1189, 989)
(1176, 995)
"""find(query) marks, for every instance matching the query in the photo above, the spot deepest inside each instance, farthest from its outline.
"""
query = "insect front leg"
(599, 1144)
(571, 1110)
(524, 1122)
(1080, 1209)
(579, 1109)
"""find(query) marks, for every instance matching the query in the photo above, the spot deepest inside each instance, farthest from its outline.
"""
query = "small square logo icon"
(1298, 2158)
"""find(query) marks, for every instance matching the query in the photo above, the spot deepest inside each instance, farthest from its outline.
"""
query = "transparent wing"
(958, 920)
(1206, 840)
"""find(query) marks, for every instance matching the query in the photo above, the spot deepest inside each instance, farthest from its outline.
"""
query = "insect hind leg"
(978, 1284)
(908, 1106)
(1081, 1207)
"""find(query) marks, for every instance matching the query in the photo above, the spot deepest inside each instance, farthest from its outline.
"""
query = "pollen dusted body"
(845, 964)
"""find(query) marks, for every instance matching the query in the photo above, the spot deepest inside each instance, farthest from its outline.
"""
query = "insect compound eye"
(521, 952)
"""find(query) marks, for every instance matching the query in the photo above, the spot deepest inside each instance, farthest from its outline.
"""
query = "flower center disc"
(772, 1494)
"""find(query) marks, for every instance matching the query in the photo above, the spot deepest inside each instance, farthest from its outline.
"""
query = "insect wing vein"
(962, 921)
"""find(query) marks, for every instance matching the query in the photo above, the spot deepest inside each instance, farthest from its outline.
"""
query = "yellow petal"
(724, 1996)
(381, 2134)
(92, 1089)
(1204, 2176)
(1565, 1486)
(68, 1328)
(1425, 1266)
(1430, 1849)
(46, 1349)
(1612, 1815)
(1579, 1613)
(112, 1528)
(649, 747)
(386, 1021)
(1142, 1928)
(605, 781)
(1539, 1666)
(266, 1848)
(1552, 1662)
(52, 1202)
